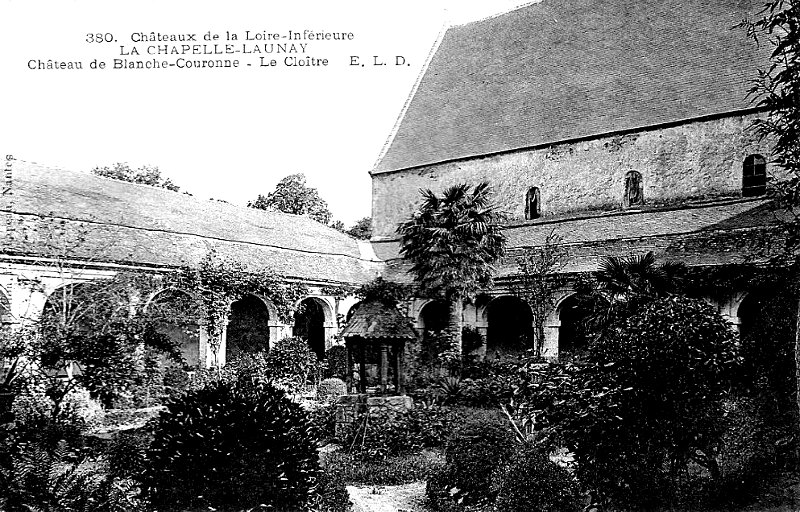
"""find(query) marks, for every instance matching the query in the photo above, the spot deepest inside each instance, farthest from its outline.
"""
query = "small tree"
(291, 195)
(650, 400)
(452, 241)
(144, 175)
(777, 90)
(362, 229)
(539, 280)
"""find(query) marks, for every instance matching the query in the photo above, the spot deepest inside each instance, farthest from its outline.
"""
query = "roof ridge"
(497, 15)
(399, 120)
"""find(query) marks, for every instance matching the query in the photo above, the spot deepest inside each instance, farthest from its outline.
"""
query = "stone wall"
(349, 407)
(694, 160)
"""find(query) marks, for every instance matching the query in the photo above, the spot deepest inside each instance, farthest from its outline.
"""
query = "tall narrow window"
(754, 176)
(533, 204)
(634, 195)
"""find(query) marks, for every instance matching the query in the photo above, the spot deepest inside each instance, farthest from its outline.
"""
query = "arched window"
(533, 204)
(754, 176)
(634, 195)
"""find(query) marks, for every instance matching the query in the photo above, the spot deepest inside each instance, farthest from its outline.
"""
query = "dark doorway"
(309, 323)
(574, 334)
(510, 327)
(248, 327)
(176, 317)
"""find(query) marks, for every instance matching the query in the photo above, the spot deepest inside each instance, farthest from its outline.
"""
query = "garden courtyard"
(578, 292)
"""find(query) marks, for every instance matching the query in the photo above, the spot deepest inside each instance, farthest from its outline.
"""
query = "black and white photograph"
(384, 256)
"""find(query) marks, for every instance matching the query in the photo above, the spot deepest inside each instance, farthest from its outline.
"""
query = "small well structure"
(375, 337)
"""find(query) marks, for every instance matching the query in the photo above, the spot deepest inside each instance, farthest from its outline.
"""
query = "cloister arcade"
(504, 320)
(29, 291)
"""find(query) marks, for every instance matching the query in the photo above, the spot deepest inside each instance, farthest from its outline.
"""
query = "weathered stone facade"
(688, 161)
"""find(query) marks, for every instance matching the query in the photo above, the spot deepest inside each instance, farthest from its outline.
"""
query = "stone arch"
(248, 330)
(433, 315)
(315, 321)
(175, 313)
(509, 326)
(71, 303)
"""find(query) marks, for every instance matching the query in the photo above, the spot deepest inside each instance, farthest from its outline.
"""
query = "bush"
(35, 418)
(753, 447)
(291, 364)
(336, 357)
(473, 454)
(649, 403)
(330, 389)
(322, 418)
(331, 495)
(379, 437)
(231, 444)
(393, 470)
(532, 482)
(126, 454)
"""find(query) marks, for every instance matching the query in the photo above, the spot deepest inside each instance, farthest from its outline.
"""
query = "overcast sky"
(224, 133)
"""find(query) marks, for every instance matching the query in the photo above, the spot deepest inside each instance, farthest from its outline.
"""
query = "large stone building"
(621, 126)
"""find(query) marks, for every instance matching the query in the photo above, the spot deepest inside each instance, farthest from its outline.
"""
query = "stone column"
(384, 367)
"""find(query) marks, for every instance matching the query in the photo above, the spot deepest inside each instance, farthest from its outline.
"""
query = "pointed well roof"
(376, 319)
(560, 70)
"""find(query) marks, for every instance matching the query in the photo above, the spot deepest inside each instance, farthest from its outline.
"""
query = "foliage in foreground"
(393, 470)
(473, 453)
(648, 405)
(194, 461)
(531, 482)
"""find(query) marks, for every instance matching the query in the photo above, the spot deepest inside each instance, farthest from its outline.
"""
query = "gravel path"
(390, 498)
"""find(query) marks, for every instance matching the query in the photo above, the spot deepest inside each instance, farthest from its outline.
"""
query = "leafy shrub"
(37, 419)
(322, 419)
(336, 357)
(60, 479)
(473, 454)
(753, 447)
(376, 437)
(531, 482)
(380, 436)
(650, 401)
(331, 494)
(126, 454)
(194, 460)
(393, 470)
(471, 339)
(291, 363)
(331, 388)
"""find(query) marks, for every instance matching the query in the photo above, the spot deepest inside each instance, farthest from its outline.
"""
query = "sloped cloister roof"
(137, 224)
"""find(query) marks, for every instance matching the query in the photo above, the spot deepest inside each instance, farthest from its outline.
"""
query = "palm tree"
(625, 284)
(452, 242)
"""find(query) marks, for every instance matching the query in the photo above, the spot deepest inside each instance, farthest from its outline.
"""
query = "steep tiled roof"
(374, 319)
(566, 69)
(718, 233)
(128, 223)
